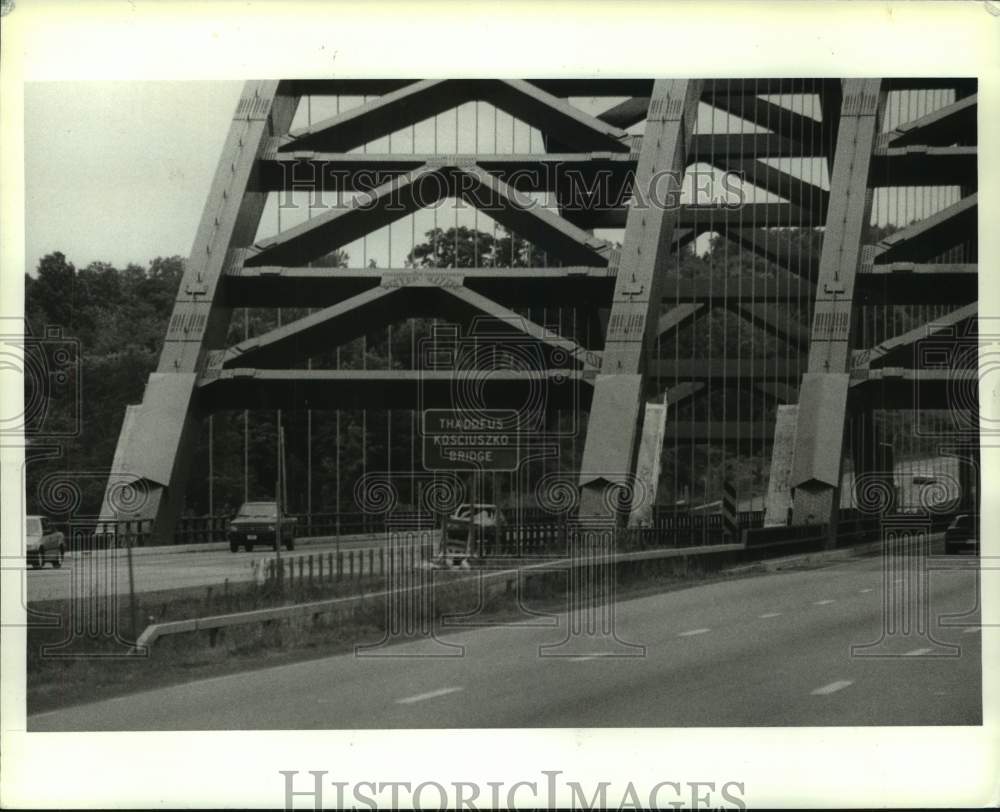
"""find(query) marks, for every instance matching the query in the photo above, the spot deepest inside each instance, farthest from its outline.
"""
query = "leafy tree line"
(114, 320)
(119, 316)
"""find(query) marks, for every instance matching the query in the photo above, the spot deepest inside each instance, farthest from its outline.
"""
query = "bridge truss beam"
(721, 340)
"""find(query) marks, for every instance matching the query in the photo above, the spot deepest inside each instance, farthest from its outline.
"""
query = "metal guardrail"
(536, 539)
(686, 520)
(138, 532)
(851, 530)
(307, 569)
(631, 544)
(521, 543)
(537, 524)
(763, 536)
(316, 609)
(538, 533)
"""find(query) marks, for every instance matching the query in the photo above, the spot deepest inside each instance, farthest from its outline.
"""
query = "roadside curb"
(820, 557)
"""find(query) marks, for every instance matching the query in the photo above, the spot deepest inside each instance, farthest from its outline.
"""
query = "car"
(255, 523)
(488, 523)
(962, 535)
(44, 544)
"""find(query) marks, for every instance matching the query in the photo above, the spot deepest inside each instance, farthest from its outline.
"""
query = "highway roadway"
(771, 649)
(106, 572)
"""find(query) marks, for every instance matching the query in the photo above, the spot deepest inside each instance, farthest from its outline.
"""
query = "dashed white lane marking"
(918, 652)
(865, 590)
(584, 657)
(832, 687)
(823, 603)
(970, 630)
(691, 632)
(769, 614)
(409, 700)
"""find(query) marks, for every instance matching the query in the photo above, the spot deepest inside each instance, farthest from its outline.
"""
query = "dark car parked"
(962, 535)
(256, 523)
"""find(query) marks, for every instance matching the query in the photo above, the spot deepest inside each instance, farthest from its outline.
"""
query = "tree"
(119, 317)
(116, 320)
(463, 247)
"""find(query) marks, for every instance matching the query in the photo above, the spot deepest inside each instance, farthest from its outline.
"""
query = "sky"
(119, 171)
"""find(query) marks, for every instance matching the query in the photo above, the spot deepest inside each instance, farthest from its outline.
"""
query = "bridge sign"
(470, 440)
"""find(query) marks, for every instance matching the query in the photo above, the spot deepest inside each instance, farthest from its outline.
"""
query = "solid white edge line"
(832, 687)
(409, 700)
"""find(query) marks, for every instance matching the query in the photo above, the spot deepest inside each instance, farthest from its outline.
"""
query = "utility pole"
(133, 609)
(279, 501)
(211, 469)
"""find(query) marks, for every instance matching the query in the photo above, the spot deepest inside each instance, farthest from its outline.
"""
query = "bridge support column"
(819, 437)
(154, 452)
(158, 436)
(616, 412)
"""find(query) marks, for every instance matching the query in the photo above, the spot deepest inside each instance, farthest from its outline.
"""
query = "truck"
(486, 523)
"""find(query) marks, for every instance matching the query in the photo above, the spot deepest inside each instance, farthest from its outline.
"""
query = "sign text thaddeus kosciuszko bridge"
(460, 440)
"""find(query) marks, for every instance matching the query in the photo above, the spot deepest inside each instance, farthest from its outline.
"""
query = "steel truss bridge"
(782, 272)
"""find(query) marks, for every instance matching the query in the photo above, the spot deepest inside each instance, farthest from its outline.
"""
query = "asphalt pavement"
(838, 645)
(106, 571)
